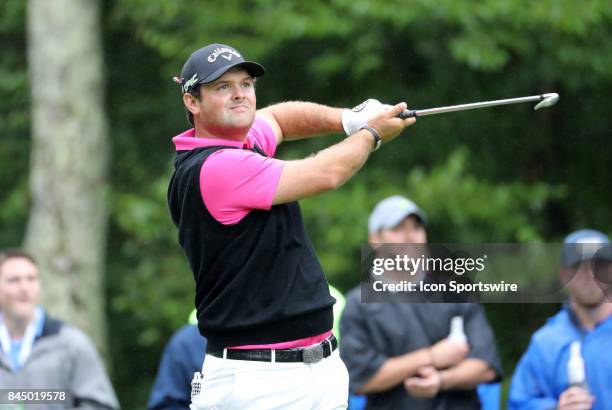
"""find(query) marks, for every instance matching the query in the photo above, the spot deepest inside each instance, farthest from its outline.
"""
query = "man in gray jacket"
(399, 353)
(39, 352)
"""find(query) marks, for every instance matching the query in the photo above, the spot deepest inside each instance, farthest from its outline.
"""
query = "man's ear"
(191, 103)
(374, 239)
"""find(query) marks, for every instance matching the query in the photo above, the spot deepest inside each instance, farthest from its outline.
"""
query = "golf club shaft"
(472, 106)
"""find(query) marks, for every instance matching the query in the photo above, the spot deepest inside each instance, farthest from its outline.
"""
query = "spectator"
(398, 354)
(540, 380)
(40, 352)
(183, 356)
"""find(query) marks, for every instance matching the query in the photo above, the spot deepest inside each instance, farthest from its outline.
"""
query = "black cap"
(211, 62)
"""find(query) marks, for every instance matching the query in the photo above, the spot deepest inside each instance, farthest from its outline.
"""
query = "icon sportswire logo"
(224, 52)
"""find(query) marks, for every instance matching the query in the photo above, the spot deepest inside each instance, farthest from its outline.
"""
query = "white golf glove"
(354, 119)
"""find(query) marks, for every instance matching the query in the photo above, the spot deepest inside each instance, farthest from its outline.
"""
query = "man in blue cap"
(545, 377)
(398, 353)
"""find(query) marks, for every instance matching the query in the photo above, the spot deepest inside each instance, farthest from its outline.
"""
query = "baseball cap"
(389, 212)
(583, 245)
(209, 63)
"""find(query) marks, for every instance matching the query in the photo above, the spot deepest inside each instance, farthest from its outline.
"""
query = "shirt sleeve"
(233, 182)
(262, 135)
(90, 385)
(356, 347)
(528, 390)
(481, 339)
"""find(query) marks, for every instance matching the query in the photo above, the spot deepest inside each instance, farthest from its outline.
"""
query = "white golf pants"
(241, 385)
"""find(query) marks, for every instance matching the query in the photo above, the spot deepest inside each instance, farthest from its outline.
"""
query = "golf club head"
(548, 101)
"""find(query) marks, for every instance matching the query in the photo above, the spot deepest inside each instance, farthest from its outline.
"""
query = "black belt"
(310, 354)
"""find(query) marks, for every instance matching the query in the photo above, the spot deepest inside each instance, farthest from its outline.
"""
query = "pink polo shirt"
(233, 182)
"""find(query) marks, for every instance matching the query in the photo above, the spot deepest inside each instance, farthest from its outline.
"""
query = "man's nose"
(412, 237)
(408, 237)
(238, 93)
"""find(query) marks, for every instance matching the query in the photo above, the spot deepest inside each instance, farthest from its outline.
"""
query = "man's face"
(227, 105)
(19, 288)
(583, 286)
(410, 230)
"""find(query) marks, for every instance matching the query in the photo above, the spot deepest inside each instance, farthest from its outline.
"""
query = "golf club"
(545, 100)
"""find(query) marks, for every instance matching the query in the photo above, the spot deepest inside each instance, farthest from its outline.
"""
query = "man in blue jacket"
(183, 356)
(541, 377)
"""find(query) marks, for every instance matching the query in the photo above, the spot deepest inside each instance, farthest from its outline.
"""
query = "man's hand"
(575, 398)
(388, 125)
(426, 384)
(354, 119)
(447, 353)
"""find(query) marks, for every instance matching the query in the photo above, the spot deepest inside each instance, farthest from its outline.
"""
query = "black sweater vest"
(258, 281)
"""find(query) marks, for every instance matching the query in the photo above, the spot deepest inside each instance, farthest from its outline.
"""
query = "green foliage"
(476, 211)
(461, 208)
(14, 124)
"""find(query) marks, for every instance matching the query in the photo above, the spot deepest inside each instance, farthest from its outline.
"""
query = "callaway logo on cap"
(224, 52)
(211, 62)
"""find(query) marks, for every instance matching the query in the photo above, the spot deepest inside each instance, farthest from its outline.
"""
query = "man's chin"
(241, 121)
(592, 303)
(23, 315)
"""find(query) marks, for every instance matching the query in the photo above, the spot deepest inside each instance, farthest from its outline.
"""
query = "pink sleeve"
(233, 182)
(261, 133)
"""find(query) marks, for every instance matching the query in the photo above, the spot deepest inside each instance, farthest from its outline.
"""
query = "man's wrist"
(431, 357)
(441, 381)
(375, 135)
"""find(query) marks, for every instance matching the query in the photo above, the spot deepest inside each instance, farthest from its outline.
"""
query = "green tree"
(68, 220)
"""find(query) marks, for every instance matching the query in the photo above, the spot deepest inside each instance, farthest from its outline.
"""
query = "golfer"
(262, 299)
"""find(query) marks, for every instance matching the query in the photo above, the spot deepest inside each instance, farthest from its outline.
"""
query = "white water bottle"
(576, 375)
(456, 330)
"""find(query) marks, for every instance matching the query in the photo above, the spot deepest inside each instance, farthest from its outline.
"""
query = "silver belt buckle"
(312, 354)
